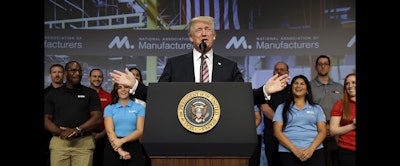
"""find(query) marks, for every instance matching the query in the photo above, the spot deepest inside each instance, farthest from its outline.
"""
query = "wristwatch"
(79, 130)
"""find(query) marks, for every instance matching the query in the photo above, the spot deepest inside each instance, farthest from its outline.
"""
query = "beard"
(75, 82)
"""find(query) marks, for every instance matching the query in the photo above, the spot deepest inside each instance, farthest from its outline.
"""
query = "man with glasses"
(326, 92)
(71, 112)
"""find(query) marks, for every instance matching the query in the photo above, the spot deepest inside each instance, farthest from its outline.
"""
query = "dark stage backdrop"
(114, 34)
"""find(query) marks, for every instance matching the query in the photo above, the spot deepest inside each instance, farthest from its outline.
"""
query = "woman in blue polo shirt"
(300, 126)
(124, 123)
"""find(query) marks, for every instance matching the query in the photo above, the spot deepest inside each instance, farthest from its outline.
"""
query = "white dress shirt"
(197, 62)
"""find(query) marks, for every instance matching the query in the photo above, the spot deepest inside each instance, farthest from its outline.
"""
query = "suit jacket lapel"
(188, 65)
(216, 72)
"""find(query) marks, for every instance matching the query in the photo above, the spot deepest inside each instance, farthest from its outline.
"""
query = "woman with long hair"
(300, 126)
(124, 123)
(343, 122)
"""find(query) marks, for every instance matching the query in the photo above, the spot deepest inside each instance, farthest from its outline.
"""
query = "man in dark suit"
(186, 68)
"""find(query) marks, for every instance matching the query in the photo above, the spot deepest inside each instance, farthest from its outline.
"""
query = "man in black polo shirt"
(270, 141)
(57, 80)
(71, 112)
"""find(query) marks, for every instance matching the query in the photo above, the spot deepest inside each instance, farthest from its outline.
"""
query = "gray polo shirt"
(326, 94)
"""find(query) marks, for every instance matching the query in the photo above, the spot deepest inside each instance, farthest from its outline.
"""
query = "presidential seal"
(199, 111)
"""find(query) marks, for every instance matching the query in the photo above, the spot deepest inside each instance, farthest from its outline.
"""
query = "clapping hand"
(276, 83)
(126, 79)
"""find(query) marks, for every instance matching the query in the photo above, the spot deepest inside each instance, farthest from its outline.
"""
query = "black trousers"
(346, 157)
(331, 151)
(289, 159)
(99, 151)
(271, 149)
(112, 158)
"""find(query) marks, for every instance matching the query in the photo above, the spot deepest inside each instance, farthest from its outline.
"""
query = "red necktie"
(204, 72)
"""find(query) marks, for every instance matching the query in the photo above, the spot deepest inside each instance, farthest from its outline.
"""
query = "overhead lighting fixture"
(131, 65)
(115, 58)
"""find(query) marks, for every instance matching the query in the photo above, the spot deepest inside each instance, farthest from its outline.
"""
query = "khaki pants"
(72, 152)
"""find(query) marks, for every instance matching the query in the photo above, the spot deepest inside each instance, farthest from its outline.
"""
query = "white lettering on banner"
(62, 45)
(120, 42)
(164, 45)
(277, 42)
(236, 43)
(287, 45)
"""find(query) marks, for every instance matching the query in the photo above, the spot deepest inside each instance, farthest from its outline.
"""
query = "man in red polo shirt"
(99, 134)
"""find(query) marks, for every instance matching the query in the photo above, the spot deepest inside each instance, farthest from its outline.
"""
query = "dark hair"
(290, 99)
(114, 94)
(69, 64)
(140, 73)
(90, 74)
(322, 56)
(56, 65)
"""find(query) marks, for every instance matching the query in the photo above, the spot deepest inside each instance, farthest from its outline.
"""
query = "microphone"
(203, 45)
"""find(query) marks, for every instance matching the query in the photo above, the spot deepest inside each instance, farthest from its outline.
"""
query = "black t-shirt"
(71, 107)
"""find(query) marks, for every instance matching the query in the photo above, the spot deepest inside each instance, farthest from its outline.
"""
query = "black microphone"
(203, 45)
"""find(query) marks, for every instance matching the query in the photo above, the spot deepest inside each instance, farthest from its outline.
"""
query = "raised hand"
(127, 78)
(276, 83)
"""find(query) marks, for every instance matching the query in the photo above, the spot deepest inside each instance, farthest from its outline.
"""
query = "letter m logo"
(119, 42)
(236, 43)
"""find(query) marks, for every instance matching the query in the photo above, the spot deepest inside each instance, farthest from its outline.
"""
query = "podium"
(223, 133)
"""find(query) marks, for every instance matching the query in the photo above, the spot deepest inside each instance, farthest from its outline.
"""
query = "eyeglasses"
(75, 70)
(323, 64)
